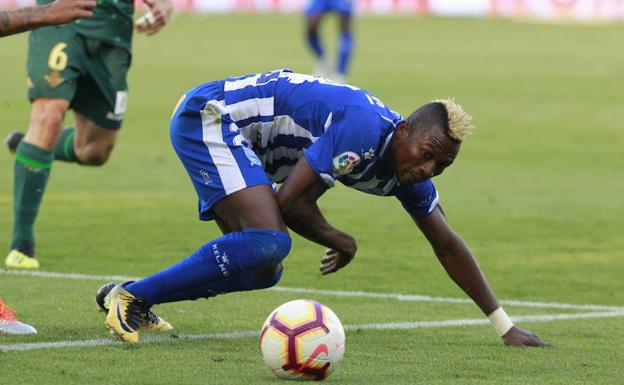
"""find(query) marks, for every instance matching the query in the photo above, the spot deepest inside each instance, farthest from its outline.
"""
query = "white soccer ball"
(302, 340)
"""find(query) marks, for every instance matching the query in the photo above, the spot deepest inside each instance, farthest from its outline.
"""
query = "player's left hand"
(335, 260)
(159, 13)
(523, 338)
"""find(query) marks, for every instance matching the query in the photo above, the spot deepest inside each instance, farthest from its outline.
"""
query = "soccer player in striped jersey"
(314, 13)
(236, 137)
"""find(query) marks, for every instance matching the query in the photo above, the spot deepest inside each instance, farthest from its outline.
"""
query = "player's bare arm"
(461, 266)
(58, 12)
(297, 200)
(155, 19)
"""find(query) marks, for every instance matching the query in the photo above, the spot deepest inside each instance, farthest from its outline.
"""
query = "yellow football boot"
(125, 314)
(18, 260)
(151, 322)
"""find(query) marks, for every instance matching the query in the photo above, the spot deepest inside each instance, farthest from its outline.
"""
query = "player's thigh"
(227, 175)
(313, 22)
(55, 62)
(345, 23)
(253, 206)
(102, 94)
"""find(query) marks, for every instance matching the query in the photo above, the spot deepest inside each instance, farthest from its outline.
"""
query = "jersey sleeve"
(418, 199)
(338, 150)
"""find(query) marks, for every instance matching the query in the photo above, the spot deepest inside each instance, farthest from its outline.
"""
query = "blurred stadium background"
(585, 10)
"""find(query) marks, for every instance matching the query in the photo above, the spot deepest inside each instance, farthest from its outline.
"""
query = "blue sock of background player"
(313, 19)
(314, 41)
(346, 47)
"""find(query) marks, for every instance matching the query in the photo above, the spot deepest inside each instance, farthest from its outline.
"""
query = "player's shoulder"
(364, 116)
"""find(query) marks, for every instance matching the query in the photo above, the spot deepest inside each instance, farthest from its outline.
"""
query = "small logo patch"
(54, 79)
(205, 176)
(345, 163)
(370, 154)
(121, 102)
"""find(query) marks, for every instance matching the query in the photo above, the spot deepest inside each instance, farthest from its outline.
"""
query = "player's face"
(423, 153)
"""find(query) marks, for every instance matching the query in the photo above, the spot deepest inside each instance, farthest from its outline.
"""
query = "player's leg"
(313, 16)
(92, 144)
(33, 161)
(261, 279)
(53, 67)
(257, 249)
(99, 107)
(220, 264)
(231, 186)
(346, 45)
(86, 143)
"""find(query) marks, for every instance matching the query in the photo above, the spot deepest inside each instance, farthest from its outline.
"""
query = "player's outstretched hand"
(334, 259)
(523, 338)
(159, 13)
(64, 11)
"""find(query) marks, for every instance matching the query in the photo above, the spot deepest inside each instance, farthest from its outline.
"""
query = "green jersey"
(111, 22)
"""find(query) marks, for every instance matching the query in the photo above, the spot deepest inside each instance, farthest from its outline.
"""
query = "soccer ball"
(302, 340)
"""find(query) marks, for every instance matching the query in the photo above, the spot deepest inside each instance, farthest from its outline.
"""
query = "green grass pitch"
(536, 192)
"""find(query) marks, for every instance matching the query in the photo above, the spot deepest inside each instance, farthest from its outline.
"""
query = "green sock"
(32, 168)
(64, 149)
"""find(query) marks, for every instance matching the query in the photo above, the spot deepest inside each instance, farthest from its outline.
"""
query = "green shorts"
(88, 73)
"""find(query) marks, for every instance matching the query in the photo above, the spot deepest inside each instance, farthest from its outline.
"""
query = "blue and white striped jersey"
(343, 131)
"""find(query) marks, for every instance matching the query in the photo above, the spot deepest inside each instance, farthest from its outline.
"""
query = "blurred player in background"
(237, 136)
(80, 66)
(314, 13)
(20, 20)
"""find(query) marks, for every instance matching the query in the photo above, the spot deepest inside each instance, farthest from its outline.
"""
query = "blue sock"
(242, 282)
(346, 47)
(314, 42)
(229, 256)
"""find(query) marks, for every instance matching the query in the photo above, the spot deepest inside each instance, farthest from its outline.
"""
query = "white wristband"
(501, 321)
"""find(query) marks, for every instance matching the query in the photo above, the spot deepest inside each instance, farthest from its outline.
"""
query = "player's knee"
(268, 246)
(255, 282)
(94, 155)
(47, 119)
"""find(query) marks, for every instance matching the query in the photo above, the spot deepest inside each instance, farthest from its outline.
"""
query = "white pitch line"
(426, 298)
(252, 333)
(337, 293)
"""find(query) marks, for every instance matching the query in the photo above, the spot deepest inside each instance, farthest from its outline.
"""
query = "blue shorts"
(213, 151)
(343, 7)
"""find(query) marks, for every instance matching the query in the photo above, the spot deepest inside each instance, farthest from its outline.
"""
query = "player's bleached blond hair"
(459, 122)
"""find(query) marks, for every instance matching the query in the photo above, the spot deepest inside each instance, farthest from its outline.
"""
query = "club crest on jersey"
(345, 163)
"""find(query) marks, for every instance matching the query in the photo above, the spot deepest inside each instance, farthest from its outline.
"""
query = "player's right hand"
(335, 259)
(159, 13)
(64, 11)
